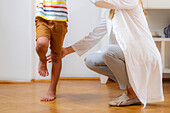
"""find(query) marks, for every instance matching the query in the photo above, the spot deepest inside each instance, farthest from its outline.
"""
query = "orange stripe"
(52, 6)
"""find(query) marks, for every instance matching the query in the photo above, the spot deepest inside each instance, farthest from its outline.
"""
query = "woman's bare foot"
(42, 68)
(50, 96)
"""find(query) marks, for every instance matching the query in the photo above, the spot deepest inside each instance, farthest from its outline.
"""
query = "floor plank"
(73, 96)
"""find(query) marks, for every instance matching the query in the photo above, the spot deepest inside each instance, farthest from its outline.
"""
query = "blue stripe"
(53, 10)
(51, 14)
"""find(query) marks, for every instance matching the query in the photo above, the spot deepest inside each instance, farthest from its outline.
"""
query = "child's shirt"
(52, 10)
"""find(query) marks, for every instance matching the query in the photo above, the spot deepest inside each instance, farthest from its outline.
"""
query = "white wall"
(83, 17)
(16, 38)
(18, 60)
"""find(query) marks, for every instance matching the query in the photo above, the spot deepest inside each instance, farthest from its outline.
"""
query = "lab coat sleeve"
(116, 4)
(92, 39)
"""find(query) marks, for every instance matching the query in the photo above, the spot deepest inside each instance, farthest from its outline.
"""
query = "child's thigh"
(42, 28)
(58, 35)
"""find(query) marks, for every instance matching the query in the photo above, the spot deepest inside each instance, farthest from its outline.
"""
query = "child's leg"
(58, 34)
(55, 74)
(42, 48)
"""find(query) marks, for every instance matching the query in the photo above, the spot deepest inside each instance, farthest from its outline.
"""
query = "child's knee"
(42, 44)
(56, 56)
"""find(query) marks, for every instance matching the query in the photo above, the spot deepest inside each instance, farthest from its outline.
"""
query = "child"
(51, 27)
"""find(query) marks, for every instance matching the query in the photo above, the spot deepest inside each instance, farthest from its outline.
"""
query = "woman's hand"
(65, 51)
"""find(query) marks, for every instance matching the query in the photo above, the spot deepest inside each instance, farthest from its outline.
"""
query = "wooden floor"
(73, 96)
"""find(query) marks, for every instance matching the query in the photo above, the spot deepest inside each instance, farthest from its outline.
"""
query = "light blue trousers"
(110, 62)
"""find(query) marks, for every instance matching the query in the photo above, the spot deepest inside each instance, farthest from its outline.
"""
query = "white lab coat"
(143, 60)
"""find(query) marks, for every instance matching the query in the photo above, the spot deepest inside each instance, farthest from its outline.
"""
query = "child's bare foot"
(42, 68)
(50, 96)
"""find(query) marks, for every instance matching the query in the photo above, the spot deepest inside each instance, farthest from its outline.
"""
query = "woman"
(135, 63)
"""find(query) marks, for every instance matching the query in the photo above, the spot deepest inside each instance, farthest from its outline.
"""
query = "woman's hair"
(112, 11)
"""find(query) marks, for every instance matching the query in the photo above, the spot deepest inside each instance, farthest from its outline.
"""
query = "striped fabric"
(52, 10)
